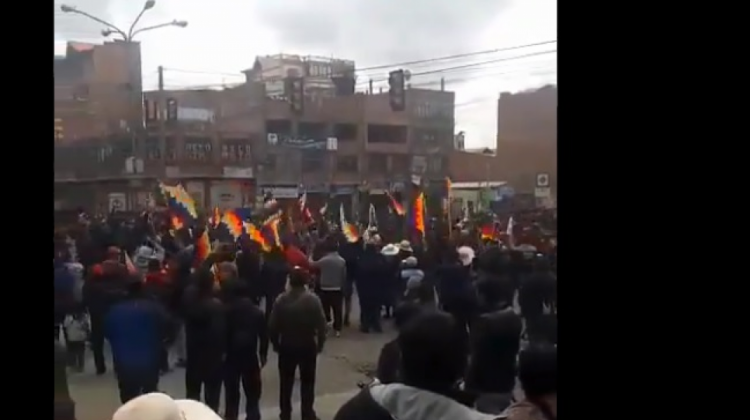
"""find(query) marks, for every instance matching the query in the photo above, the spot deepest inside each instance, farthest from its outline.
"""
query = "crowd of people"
(460, 347)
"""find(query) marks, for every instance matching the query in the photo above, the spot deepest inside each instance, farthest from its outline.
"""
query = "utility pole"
(161, 114)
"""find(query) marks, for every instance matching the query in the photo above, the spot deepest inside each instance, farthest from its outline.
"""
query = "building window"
(347, 164)
(171, 148)
(103, 153)
(236, 151)
(400, 164)
(312, 162)
(418, 165)
(435, 110)
(345, 132)
(436, 164)
(377, 163)
(379, 133)
(198, 149)
(153, 151)
(270, 163)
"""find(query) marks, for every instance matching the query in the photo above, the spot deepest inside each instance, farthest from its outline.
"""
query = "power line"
(466, 79)
(444, 70)
(462, 79)
(496, 60)
(405, 63)
(456, 56)
(470, 66)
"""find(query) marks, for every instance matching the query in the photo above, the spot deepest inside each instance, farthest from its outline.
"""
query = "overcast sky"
(224, 36)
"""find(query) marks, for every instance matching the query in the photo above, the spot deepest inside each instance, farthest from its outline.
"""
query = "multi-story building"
(227, 145)
(98, 89)
(526, 143)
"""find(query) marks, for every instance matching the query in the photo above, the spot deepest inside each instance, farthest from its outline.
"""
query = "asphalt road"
(342, 364)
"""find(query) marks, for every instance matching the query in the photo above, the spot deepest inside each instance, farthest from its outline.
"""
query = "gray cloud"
(380, 32)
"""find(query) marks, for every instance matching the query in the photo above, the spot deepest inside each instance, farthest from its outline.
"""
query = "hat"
(389, 250)
(158, 406)
(410, 262)
(405, 246)
(465, 255)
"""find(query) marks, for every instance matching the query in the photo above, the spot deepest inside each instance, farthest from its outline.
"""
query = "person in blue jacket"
(136, 328)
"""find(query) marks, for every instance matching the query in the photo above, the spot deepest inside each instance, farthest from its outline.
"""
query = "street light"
(111, 29)
(132, 31)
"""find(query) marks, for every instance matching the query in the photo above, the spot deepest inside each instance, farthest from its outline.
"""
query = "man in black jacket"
(297, 331)
(432, 361)
(205, 336)
(538, 300)
(247, 350)
(495, 342)
(389, 361)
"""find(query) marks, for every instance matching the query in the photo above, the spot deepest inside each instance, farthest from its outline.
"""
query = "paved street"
(342, 363)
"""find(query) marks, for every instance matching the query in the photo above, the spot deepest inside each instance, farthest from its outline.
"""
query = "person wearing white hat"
(466, 255)
(390, 250)
(158, 406)
(405, 246)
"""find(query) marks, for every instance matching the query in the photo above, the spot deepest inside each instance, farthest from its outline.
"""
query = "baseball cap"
(159, 406)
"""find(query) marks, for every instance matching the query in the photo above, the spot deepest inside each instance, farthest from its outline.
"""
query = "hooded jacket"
(403, 402)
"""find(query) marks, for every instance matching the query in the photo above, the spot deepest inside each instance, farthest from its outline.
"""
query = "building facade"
(526, 143)
(227, 146)
(98, 90)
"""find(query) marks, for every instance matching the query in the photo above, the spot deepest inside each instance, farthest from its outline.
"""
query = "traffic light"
(295, 91)
(397, 90)
(171, 109)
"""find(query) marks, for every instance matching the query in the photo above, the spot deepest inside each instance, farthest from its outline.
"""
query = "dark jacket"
(389, 362)
(402, 402)
(372, 269)
(247, 332)
(205, 328)
(454, 284)
(537, 290)
(135, 329)
(297, 320)
(273, 277)
(495, 342)
(249, 270)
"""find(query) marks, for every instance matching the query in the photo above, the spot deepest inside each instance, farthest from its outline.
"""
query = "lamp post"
(132, 31)
(128, 37)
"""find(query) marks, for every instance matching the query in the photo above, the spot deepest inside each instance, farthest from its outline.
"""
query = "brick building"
(227, 145)
(526, 143)
(98, 90)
